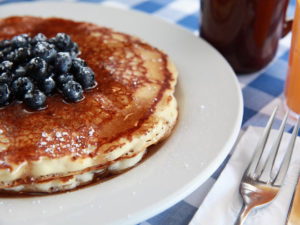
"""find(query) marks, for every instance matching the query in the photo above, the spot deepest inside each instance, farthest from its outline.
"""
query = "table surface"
(262, 91)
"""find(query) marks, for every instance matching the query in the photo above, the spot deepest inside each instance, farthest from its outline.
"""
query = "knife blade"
(293, 217)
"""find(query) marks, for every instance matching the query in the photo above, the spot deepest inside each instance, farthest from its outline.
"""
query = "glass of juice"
(292, 84)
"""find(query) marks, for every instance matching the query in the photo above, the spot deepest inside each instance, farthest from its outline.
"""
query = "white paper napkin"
(223, 202)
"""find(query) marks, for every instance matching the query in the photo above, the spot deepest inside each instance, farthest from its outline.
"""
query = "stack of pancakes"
(70, 144)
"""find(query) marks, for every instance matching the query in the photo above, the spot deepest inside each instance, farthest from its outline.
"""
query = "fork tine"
(287, 157)
(260, 146)
(266, 170)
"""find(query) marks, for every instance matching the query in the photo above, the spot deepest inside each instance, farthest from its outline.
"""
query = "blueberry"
(45, 51)
(63, 62)
(72, 91)
(11, 56)
(52, 40)
(37, 68)
(7, 50)
(21, 40)
(19, 55)
(73, 49)
(22, 54)
(62, 41)
(35, 99)
(5, 77)
(77, 63)
(63, 79)
(51, 69)
(38, 38)
(4, 94)
(5, 66)
(20, 71)
(2, 56)
(21, 86)
(85, 77)
(5, 44)
(48, 85)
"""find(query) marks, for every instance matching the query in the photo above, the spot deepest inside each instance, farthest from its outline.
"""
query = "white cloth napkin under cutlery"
(223, 202)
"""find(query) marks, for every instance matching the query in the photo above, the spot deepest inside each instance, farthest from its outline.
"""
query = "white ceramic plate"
(210, 105)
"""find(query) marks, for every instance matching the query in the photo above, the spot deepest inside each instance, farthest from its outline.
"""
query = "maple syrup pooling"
(77, 125)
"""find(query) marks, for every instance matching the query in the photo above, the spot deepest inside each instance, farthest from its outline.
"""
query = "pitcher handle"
(287, 24)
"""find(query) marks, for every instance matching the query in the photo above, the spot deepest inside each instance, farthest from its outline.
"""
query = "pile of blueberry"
(33, 68)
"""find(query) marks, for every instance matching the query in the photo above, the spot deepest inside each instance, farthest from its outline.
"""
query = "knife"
(293, 217)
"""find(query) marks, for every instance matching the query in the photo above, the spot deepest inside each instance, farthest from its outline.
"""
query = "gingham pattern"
(261, 91)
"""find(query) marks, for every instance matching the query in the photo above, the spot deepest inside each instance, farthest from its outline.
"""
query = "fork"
(258, 187)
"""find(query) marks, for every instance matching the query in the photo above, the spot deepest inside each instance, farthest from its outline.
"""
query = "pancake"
(70, 144)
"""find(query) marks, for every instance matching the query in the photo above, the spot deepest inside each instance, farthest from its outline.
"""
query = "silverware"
(258, 187)
(293, 217)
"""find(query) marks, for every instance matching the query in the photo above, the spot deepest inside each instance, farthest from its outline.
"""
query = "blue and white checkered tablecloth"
(262, 91)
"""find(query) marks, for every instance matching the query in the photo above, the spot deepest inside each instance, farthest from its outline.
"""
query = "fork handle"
(243, 214)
